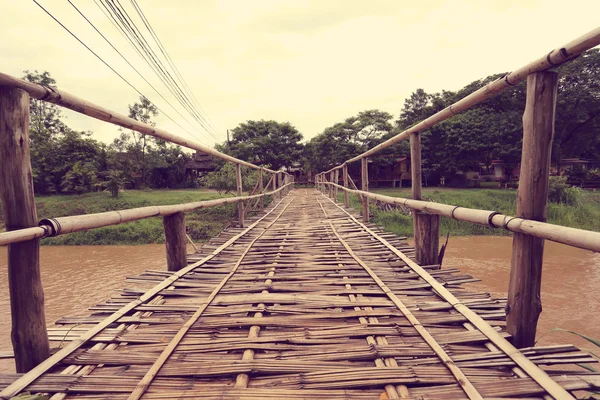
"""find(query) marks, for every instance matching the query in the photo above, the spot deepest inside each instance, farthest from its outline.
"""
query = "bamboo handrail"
(72, 102)
(587, 240)
(75, 223)
(553, 59)
(24, 380)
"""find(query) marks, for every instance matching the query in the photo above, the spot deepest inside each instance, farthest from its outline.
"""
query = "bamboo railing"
(30, 339)
(529, 225)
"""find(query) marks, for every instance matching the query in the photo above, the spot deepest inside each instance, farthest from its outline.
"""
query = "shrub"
(561, 192)
(223, 180)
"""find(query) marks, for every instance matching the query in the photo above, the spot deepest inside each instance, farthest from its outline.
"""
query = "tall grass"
(584, 214)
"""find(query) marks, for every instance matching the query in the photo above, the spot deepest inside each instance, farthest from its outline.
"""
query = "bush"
(561, 192)
(223, 180)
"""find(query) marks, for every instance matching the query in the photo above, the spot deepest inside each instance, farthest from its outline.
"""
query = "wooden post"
(175, 241)
(274, 186)
(29, 336)
(524, 302)
(239, 191)
(260, 189)
(426, 227)
(336, 180)
(345, 177)
(364, 183)
(330, 193)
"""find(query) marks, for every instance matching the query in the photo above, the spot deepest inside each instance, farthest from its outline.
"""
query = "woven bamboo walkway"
(304, 303)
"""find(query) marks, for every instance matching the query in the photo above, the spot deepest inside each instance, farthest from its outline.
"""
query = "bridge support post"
(260, 189)
(426, 227)
(175, 241)
(345, 177)
(29, 336)
(239, 191)
(364, 183)
(274, 186)
(524, 291)
(336, 180)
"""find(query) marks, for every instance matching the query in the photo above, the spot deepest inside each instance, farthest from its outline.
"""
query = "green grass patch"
(585, 215)
(203, 224)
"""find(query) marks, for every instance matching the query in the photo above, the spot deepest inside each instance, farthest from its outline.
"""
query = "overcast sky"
(311, 62)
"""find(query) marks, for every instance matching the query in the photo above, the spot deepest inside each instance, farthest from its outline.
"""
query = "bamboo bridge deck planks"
(306, 302)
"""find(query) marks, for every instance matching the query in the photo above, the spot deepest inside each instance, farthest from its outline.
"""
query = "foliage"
(81, 178)
(67, 161)
(577, 124)
(559, 191)
(265, 142)
(347, 139)
(488, 131)
(224, 179)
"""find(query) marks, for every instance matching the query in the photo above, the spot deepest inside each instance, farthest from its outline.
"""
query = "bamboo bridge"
(304, 299)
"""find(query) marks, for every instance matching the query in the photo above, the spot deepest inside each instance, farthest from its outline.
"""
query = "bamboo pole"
(25, 380)
(524, 297)
(175, 241)
(336, 179)
(239, 191)
(426, 227)
(67, 100)
(550, 60)
(345, 177)
(364, 169)
(587, 240)
(29, 336)
(260, 188)
(77, 223)
(249, 203)
(331, 187)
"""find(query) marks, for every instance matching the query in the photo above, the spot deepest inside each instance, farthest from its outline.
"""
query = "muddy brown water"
(76, 277)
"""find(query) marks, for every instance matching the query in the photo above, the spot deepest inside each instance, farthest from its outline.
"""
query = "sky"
(312, 63)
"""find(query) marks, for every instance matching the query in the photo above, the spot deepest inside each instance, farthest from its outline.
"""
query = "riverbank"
(203, 224)
(583, 215)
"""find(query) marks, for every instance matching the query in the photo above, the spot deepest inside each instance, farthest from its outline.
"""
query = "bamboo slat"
(299, 306)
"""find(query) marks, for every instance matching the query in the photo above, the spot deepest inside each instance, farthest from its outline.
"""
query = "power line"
(123, 28)
(132, 33)
(135, 69)
(104, 62)
(163, 68)
(168, 57)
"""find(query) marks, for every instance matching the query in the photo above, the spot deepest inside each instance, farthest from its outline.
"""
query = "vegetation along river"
(76, 277)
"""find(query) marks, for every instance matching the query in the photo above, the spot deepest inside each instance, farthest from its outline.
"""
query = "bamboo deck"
(306, 302)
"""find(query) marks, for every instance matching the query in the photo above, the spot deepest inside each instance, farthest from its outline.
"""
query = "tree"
(577, 124)
(142, 111)
(81, 178)
(267, 142)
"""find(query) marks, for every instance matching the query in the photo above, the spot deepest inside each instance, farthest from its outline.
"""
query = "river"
(76, 277)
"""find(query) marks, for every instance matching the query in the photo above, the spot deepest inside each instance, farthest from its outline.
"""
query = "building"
(200, 164)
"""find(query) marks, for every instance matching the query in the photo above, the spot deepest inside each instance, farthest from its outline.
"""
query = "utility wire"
(104, 62)
(134, 35)
(163, 68)
(125, 31)
(168, 57)
(134, 68)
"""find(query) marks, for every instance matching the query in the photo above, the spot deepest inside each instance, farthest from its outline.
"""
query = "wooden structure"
(538, 121)
(304, 300)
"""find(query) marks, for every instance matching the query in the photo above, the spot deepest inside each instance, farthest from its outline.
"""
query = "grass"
(583, 216)
(203, 224)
